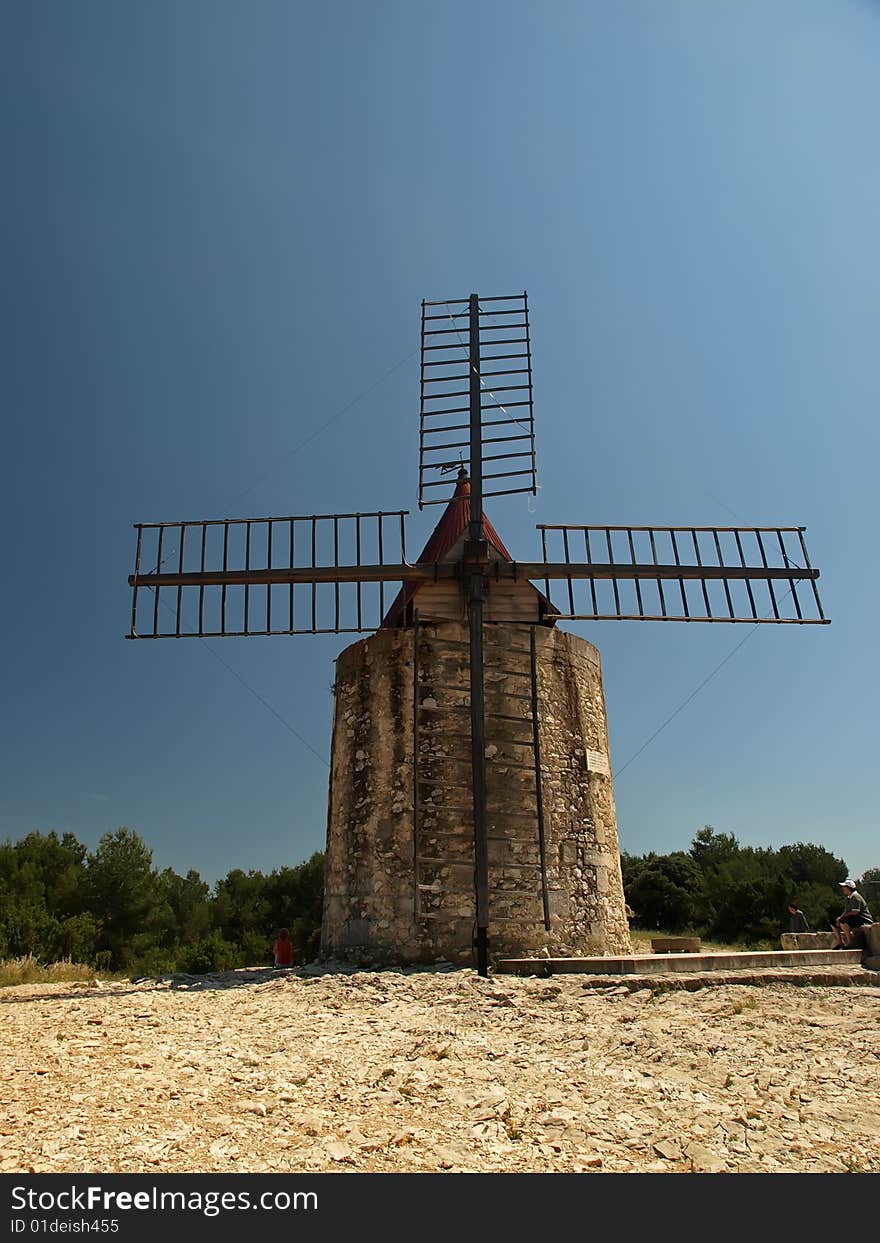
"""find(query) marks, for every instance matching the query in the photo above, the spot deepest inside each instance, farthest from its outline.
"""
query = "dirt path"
(439, 1070)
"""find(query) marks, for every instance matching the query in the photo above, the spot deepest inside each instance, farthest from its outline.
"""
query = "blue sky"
(220, 222)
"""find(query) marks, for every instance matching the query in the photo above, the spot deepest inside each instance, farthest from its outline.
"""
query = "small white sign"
(597, 762)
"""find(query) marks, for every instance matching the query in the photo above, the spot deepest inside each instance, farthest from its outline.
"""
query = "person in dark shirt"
(855, 914)
(797, 920)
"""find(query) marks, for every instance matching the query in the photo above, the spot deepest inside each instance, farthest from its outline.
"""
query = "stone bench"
(867, 939)
(675, 945)
(806, 940)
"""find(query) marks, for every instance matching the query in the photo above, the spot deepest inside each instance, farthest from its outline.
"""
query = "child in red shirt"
(283, 949)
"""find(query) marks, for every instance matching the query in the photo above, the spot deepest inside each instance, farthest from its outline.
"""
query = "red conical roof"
(446, 534)
(455, 521)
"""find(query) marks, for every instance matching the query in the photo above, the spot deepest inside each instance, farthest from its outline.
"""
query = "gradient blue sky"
(220, 220)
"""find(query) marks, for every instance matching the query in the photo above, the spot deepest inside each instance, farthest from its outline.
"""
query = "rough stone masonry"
(399, 884)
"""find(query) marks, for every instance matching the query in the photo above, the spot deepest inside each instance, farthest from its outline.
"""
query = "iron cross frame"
(660, 567)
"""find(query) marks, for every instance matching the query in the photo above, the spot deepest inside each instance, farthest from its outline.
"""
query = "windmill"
(470, 785)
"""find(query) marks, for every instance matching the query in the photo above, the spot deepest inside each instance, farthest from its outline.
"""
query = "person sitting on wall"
(283, 949)
(855, 914)
(797, 920)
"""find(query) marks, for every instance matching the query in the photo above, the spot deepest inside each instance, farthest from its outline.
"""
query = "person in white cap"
(855, 914)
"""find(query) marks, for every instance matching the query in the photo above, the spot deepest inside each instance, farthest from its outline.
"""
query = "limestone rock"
(413, 1070)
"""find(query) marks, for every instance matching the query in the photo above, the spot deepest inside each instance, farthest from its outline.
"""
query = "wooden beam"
(296, 574)
(624, 570)
(496, 569)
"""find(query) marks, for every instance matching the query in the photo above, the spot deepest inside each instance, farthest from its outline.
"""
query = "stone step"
(846, 976)
(663, 964)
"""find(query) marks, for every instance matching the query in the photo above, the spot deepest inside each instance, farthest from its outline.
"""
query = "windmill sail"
(476, 348)
(336, 573)
(683, 574)
(315, 574)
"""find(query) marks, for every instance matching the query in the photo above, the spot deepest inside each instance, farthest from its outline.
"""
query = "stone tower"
(399, 871)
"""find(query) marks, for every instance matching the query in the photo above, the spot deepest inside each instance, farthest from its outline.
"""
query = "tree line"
(727, 892)
(113, 909)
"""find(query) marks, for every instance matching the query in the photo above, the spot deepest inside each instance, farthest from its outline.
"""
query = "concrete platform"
(667, 964)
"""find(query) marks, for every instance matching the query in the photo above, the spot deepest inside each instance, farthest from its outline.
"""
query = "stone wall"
(380, 907)
(806, 940)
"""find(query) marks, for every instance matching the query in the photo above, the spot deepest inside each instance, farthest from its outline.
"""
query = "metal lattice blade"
(500, 335)
(323, 573)
(690, 574)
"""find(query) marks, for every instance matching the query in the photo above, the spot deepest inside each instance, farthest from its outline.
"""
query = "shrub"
(29, 970)
(211, 953)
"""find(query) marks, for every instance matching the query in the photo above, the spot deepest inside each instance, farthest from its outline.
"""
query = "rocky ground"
(397, 1071)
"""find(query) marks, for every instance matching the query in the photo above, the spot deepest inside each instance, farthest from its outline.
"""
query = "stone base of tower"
(399, 870)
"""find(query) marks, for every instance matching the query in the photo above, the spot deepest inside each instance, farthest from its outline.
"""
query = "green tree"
(295, 898)
(112, 908)
(40, 888)
(668, 893)
(210, 953)
(241, 910)
(709, 850)
(812, 874)
(869, 888)
(741, 892)
(123, 893)
(250, 907)
(187, 907)
(78, 938)
(805, 863)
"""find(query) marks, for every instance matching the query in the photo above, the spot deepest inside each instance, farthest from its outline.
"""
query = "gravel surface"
(440, 1070)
